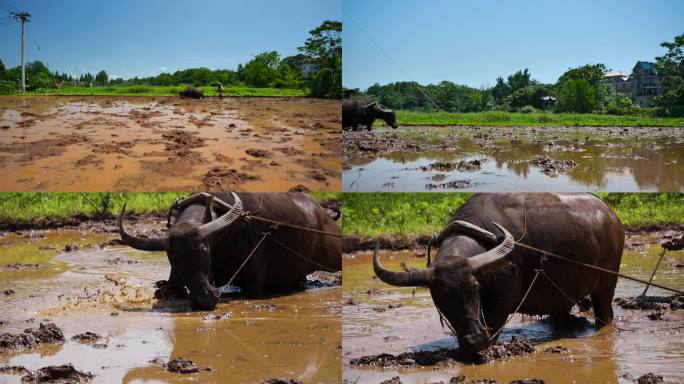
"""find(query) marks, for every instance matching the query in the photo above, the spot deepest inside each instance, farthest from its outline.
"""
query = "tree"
(520, 79)
(670, 69)
(87, 79)
(577, 96)
(324, 49)
(101, 78)
(2, 70)
(262, 70)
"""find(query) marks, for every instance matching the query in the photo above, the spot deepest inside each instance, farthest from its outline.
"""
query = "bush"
(493, 117)
(527, 109)
(7, 87)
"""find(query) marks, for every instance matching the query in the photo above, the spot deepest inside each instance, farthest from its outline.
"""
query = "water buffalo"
(359, 112)
(479, 278)
(205, 250)
(192, 93)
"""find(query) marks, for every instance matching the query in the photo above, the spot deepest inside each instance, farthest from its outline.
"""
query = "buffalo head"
(188, 246)
(385, 114)
(454, 287)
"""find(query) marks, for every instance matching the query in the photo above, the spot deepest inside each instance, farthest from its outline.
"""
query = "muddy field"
(514, 158)
(403, 323)
(165, 143)
(99, 297)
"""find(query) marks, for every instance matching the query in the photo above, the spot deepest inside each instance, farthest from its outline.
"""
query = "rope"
(279, 224)
(654, 272)
(518, 307)
(248, 257)
(551, 254)
(302, 256)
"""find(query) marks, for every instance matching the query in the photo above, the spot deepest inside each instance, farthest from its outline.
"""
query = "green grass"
(158, 90)
(401, 214)
(498, 118)
(36, 207)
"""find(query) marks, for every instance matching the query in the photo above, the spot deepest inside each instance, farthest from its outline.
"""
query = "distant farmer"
(674, 244)
(220, 90)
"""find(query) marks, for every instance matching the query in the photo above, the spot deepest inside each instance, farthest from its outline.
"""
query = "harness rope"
(248, 257)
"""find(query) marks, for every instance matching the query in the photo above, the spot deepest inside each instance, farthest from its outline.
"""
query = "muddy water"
(158, 143)
(109, 291)
(652, 160)
(605, 356)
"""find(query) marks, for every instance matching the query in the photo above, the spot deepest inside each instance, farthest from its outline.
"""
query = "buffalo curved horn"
(224, 221)
(370, 105)
(141, 243)
(496, 253)
(466, 228)
(410, 278)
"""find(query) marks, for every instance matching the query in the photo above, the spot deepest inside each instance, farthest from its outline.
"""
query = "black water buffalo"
(359, 112)
(192, 93)
(479, 278)
(205, 250)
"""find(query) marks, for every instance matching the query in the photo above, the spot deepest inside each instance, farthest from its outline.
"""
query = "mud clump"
(652, 303)
(551, 167)
(86, 336)
(557, 349)
(394, 380)
(299, 188)
(19, 266)
(650, 378)
(31, 338)
(281, 381)
(320, 279)
(178, 139)
(258, 152)
(408, 360)
(180, 365)
(460, 166)
(456, 184)
(8, 292)
(62, 374)
(218, 178)
(519, 345)
(13, 369)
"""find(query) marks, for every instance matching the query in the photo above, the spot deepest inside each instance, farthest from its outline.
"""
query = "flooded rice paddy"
(378, 318)
(514, 159)
(166, 143)
(108, 290)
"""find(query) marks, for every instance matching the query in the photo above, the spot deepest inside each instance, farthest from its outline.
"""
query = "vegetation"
(37, 207)
(523, 118)
(373, 214)
(578, 90)
(162, 90)
(316, 71)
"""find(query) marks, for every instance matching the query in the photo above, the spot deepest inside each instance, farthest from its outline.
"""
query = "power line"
(391, 59)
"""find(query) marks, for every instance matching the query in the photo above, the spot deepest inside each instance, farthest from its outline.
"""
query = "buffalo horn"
(141, 243)
(216, 226)
(412, 278)
(496, 253)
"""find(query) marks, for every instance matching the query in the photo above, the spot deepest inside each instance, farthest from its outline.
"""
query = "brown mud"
(169, 144)
(393, 332)
(521, 158)
(114, 328)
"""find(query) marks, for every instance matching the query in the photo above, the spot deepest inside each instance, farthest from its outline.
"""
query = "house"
(641, 86)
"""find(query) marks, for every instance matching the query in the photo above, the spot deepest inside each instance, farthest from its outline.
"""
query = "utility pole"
(23, 17)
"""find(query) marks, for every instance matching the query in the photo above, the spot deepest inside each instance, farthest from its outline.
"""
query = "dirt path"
(165, 143)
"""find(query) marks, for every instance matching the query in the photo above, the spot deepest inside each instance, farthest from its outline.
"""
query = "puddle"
(515, 159)
(395, 320)
(109, 290)
(168, 144)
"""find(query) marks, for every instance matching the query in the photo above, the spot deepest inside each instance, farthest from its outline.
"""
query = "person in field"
(220, 90)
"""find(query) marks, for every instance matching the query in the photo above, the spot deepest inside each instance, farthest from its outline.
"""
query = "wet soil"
(169, 144)
(114, 328)
(61, 374)
(514, 158)
(406, 331)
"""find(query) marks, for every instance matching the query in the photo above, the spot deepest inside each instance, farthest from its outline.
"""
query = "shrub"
(527, 109)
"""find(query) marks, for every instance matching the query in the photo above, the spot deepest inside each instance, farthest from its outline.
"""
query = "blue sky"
(145, 37)
(473, 42)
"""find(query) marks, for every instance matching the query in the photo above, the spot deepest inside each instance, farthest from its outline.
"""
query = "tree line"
(318, 68)
(580, 90)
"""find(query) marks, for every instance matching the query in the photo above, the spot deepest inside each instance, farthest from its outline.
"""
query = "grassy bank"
(498, 118)
(28, 208)
(158, 90)
(373, 214)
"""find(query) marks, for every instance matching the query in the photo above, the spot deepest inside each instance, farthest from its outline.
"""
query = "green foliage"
(156, 90)
(323, 49)
(527, 109)
(262, 70)
(101, 78)
(670, 69)
(576, 96)
(501, 118)
(373, 214)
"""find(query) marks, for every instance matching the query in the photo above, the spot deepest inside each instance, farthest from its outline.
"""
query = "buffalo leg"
(175, 288)
(369, 126)
(602, 299)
